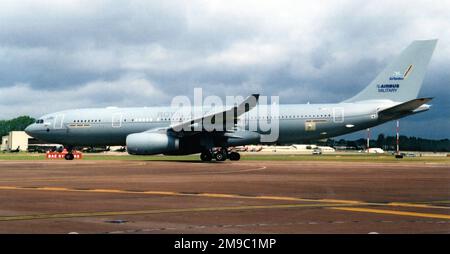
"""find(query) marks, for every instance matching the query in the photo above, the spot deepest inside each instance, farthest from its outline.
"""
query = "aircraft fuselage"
(111, 126)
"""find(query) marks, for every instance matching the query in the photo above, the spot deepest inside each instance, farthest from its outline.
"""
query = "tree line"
(16, 124)
(388, 143)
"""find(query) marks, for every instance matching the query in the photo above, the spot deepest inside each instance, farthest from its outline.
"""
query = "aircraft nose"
(30, 129)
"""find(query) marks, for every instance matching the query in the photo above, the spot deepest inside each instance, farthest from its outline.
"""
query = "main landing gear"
(219, 155)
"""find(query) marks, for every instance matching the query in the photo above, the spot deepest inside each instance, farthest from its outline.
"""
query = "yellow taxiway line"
(159, 211)
(223, 195)
(403, 213)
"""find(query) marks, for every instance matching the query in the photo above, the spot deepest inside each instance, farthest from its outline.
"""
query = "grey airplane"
(152, 130)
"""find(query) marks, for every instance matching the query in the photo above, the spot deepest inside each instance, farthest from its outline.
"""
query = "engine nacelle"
(151, 143)
(241, 138)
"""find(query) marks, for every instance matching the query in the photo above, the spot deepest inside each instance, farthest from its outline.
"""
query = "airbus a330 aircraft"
(145, 131)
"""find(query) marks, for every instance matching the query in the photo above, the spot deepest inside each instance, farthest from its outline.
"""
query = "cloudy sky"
(68, 54)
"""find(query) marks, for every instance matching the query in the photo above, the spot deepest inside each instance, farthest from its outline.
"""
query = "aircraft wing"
(406, 108)
(220, 116)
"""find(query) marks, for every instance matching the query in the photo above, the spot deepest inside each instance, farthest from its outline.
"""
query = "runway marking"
(234, 171)
(159, 211)
(216, 195)
(403, 213)
(222, 195)
(415, 205)
(281, 198)
(52, 188)
(169, 193)
(247, 170)
(342, 201)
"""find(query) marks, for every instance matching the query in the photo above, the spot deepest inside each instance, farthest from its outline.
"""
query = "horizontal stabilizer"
(408, 107)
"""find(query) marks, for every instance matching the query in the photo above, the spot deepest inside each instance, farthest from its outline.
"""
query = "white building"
(375, 150)
(4, 145)
(295, 148)
(327, 149)
(15, 140)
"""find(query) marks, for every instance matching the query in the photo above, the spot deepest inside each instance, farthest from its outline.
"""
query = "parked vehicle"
(317, 151)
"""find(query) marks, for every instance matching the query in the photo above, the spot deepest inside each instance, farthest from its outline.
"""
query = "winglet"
(256, 95)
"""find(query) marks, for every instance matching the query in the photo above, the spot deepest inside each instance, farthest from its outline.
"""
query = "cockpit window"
(40, 121)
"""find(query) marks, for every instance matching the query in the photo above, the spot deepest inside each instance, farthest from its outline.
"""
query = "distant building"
(375, 150)
(4, 145)
(327, 149)
(22, 141)
(295, 148)
(15, 140)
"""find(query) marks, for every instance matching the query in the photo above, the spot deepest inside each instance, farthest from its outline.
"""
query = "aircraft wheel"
(206, 156)
(69, 157)
(220, 156)
(234, 156)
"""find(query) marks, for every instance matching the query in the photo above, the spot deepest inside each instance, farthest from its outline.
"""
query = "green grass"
(247, 157)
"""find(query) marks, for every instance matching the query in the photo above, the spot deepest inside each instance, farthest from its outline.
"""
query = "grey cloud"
(102, 23)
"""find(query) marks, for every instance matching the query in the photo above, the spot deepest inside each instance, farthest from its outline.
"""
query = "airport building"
(295, 148)
(16, 140)
(4, 145)
(20, 141)
(375, 150)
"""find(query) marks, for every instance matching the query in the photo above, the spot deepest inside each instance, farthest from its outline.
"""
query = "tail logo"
(392, 87)
(408, 71)
(398, 75)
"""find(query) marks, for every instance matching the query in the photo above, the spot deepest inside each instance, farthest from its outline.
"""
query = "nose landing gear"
(69, 156)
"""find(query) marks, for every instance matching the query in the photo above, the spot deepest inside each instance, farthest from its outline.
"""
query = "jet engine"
(241, 138)
(145, 143)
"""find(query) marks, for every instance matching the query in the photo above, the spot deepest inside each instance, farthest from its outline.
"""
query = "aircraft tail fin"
(402, 79)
